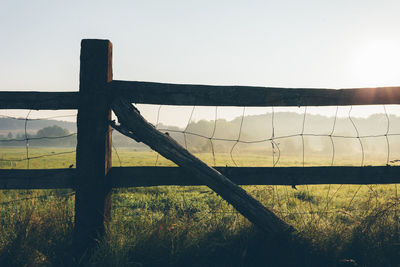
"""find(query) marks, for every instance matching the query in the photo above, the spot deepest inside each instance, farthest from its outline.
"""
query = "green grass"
(130, 157)
(49, 157)
(193, 226)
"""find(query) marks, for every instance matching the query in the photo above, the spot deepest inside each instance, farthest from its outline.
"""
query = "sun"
(377, 63)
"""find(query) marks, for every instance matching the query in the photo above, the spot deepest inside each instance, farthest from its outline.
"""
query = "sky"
(328, 44)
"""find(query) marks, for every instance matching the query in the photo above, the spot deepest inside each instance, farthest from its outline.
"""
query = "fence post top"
(96, 44)
(94, 40)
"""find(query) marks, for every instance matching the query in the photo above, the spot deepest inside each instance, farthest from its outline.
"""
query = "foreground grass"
(171, 226)
(193, 226)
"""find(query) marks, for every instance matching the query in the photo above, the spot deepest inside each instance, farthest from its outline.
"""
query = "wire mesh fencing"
(301, 205)
(36, 141)
(333, 135)
(369, 140)
(46, 140)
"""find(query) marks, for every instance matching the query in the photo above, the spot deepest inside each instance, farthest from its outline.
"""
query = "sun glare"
(377, 64)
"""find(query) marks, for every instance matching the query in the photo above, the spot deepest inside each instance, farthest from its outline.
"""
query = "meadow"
(193, 226)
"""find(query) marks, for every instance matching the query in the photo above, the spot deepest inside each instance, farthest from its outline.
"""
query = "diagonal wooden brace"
(132, 124)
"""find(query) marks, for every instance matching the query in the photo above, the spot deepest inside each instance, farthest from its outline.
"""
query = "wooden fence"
(94, 176)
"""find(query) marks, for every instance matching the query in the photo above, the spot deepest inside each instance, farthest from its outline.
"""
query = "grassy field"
(193, 226)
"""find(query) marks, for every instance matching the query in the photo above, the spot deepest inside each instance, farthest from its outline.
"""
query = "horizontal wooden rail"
(37, 179)
(209, 95)
(39, 100)
(153, 176)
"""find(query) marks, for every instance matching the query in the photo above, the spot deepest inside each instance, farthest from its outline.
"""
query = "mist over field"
(254, 133)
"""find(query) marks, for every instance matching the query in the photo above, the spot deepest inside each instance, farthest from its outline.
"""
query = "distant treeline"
(286, 131)
(33, 125)
(47, 136)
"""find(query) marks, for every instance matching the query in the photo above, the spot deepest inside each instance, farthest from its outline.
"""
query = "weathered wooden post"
(93, 156)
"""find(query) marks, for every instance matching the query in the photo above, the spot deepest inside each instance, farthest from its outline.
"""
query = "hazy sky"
(332, 44)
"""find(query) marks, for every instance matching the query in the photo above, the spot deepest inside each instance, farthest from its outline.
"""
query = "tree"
(52, 131)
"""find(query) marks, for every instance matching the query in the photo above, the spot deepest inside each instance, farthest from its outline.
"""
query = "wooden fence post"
(93, 156)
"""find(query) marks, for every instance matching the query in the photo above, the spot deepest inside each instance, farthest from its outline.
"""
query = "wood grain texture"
(154, 176)
(39, 100)
(135, 126)
(210, 95)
